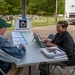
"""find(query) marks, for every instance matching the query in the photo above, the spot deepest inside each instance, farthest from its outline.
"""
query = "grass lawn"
(43, 21)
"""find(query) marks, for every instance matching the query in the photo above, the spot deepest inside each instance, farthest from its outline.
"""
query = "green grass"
(12, 25)
(11, 28)
(44, 21)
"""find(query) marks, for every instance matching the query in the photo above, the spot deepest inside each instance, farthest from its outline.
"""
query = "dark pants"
(44, 69)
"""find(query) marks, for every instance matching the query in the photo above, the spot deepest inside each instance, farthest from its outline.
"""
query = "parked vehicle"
(70, 11)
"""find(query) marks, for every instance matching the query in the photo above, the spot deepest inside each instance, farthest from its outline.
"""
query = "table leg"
(48, 69)
(29, 70)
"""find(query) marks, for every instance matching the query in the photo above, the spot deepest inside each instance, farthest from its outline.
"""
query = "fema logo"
(23, 23)
(73, 6)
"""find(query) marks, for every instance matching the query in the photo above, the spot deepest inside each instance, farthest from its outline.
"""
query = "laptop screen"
(39, 40)
(36, 38)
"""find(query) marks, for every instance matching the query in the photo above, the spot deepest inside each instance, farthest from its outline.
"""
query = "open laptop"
(39, 41)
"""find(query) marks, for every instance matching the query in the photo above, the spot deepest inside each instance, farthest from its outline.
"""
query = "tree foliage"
(61, 6)
(10, 7)
(43, 6)
(32, 6)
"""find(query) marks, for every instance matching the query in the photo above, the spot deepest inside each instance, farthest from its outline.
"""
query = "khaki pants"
(16, 71)
(13, 70)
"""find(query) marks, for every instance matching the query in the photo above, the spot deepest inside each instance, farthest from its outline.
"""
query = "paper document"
(18, 38)
(52, 52)
(57, 57)
(16, 34)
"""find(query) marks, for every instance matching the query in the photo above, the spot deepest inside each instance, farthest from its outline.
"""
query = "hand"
(21, 45)
(50, 44)
(46, 40)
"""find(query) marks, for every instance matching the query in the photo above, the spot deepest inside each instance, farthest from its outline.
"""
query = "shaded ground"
(44, 32)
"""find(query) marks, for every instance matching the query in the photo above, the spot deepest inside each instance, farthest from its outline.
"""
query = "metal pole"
(56, 11)
(29, 70)
(23, 8)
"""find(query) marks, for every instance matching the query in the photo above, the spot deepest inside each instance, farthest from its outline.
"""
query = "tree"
(61, 6)
(35, 6)
(3, 8)
(15, 6)
(10, 7)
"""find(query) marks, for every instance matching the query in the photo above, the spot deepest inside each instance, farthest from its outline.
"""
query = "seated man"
(64, 41)
(8, 49)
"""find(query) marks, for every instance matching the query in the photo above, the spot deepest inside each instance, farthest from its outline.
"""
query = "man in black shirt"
(64, 41)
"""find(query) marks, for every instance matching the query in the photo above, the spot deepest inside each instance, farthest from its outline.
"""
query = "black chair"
(2, 71)
(44, 69)
(71, 69)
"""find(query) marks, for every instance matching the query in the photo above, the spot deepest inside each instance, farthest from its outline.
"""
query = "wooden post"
(56, 11)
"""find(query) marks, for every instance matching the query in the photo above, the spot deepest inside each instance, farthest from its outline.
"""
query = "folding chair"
(71, 69)
(2, 71)
(55, 66)
(48, 68)
(7, 58)
(44, 69)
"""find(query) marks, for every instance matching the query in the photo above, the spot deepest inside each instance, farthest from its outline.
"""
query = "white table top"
(33, 55)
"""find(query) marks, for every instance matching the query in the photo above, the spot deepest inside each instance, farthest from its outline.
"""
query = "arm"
(46, 40)
(12, 50)
(68, 45)
(51, 42)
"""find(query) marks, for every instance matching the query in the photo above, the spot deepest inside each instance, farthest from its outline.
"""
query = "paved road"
(44, 32)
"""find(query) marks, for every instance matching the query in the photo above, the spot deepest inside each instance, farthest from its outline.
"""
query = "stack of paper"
(53, 52)
(61, 56)
(18, 38)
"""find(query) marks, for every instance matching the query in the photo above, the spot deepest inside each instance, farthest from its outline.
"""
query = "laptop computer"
(39, 41)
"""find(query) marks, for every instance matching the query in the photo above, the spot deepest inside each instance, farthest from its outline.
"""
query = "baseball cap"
(3, 23)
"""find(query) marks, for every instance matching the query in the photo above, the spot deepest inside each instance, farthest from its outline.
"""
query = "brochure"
(18, 38)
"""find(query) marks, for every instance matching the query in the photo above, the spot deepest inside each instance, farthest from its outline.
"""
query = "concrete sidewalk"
(44, 32)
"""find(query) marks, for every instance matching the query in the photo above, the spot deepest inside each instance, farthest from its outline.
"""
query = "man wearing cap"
(8, 54)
